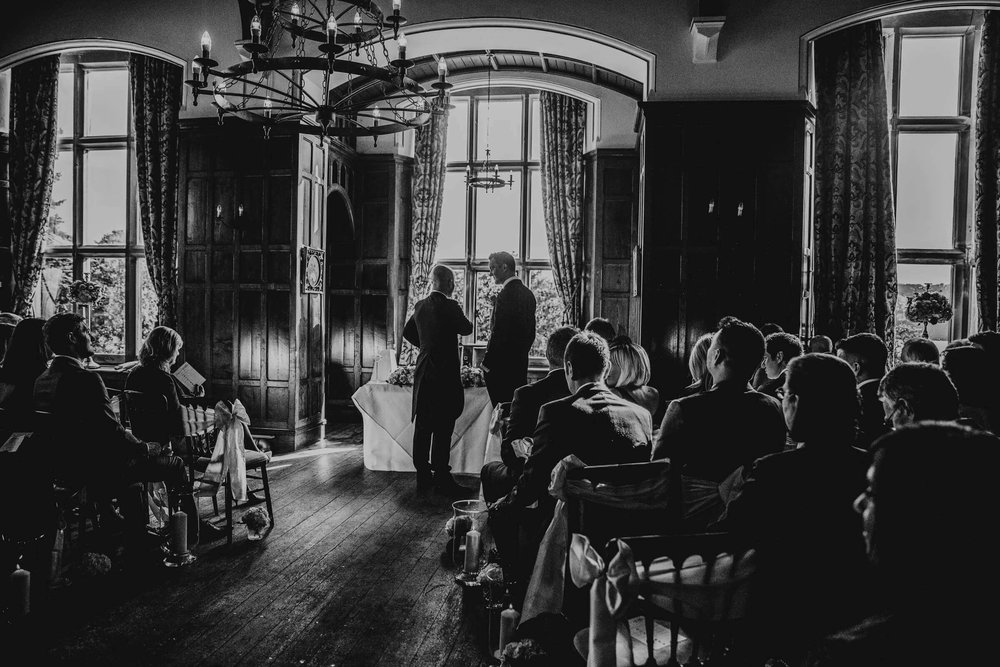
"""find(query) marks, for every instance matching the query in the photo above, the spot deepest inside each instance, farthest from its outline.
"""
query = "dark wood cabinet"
(725, 202)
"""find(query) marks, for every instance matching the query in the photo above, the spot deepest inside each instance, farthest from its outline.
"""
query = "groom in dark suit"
(438, 395)
(512, 331)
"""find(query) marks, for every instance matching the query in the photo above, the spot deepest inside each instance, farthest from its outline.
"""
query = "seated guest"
(867, 355)
(701, 379)
(759, 376)
(602, 327)
(89, 444)
(710, 435)
(592, 423)
(917, 392)
(927, 550)
(779, 350)
(498, 477)
(152, 376)
(795, 507)
(821, 345)
(629, 374)
(25, 359)
(976, 398)
(920, 349)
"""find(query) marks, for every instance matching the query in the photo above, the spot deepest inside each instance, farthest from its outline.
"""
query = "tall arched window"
(475, 223)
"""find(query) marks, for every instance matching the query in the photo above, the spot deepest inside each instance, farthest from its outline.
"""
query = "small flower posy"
(83, 291)
(928, 308)
(256, 518)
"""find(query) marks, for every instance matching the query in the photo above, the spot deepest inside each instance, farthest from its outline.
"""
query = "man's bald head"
(442, 279)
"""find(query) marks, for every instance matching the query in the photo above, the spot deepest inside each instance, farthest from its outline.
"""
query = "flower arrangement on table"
(928, 307)
(256, 520)
(403, 376)
(82, 292)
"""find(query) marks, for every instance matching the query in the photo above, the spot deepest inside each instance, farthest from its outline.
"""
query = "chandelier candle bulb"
(402, 46)
(20, 588)
(296, 12)
(178, 533)
(255, 29)
(471, 552)
(206, 45)
(331, 30)
(396, 5)
(442, 70)
(267, 106)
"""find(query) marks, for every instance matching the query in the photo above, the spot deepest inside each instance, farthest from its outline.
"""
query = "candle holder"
(179, 560)
(468, 516)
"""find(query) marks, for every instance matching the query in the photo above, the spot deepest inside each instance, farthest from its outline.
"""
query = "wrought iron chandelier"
(486, 176)
(355, 88)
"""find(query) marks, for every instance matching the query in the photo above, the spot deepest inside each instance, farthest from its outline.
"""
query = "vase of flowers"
(928, 307)
(402, 376)
(256, 520)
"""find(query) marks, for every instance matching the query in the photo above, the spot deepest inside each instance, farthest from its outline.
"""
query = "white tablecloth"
(388, 435)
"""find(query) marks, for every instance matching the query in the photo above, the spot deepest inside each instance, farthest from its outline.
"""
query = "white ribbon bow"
(229, 455)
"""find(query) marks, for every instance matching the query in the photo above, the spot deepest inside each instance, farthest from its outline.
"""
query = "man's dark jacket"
(528, 401)
(512, 333)
(434, 328)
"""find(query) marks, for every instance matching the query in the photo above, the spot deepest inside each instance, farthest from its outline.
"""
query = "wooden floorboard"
(351, 574)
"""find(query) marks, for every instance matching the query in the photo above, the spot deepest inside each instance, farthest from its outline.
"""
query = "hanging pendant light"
(486, 176)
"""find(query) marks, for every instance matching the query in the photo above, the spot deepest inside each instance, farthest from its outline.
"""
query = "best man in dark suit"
(438, 395)
(89, 443)
(592, 423)
(498, 477)
(512, 331)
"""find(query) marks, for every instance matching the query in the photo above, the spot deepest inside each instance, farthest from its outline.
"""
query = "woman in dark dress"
(26, 358)
(152, 376)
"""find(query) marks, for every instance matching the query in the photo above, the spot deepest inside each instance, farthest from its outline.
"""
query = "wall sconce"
(705, 38)
(219, 220)
(739, 210)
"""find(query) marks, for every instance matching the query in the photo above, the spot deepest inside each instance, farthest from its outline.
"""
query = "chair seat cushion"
(254, 459)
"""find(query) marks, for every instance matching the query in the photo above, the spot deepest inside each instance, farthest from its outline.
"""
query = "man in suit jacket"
(779, 349)
(438, 395)
(498, 477)
(711, 434)
(512, 331)
(867, 354)
(89, 443)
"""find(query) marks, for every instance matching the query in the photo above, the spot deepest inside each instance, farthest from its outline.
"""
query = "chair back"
(147, 415)
(623, 499)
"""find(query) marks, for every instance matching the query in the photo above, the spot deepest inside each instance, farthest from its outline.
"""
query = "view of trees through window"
(932, 101)
(93, 230)
(475, 223)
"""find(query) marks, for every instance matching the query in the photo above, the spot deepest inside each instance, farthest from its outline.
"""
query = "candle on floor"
(20, 586)
(178, 533)
(508, 623)
(55, 563)
(472, 551)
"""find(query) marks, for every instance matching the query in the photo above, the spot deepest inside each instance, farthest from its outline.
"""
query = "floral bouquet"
(92, 565)
(401, 377)
(256, 519)
(84, 292)
(472, 377)
(928, 307)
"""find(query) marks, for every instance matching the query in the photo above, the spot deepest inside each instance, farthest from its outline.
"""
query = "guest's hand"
(153, 449)
(500, 506)
(199, 390)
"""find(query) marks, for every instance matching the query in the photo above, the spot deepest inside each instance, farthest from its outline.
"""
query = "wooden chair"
(202, 447)
(706, 598)
(146, 415)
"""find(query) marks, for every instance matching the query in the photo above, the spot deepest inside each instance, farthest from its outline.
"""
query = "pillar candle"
(472, 551)
(603, 630)
(20, 587)
(55, 563)
(178, 533)
(508, 623)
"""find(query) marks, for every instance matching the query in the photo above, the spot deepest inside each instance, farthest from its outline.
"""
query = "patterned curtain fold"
(988, 174)
(564, 124)
(34, 135)
(855, 229)
(156, 101)
(428, 194)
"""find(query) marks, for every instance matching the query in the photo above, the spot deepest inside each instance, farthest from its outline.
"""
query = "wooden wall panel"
(278, 329)
(279, 209)
(197, 211)
(374, 335)
(250, 270)
(222, 319)
(277, 405)
(194, 266)
(194, 325)
(250, 335)
(250, 221)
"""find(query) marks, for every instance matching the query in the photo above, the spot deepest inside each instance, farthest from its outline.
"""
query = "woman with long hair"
(701, 379)
(152, 376)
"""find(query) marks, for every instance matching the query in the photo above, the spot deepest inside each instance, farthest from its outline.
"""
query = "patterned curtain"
(988, 173)
(855, 228)
(428, 193)
(34, 133)
(156, 101)
(564, 124)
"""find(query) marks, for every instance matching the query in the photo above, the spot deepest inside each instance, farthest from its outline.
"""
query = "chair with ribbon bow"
(703, 599)
(225, 458)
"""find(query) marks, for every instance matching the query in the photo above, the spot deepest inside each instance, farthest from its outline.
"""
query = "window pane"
(148, 309)
(486, 292)
(913, 278)
(105, 97)
(539, 248)
(458, 131)
(50, 295)
(60, 231)
(65, 103)
(548, 309)
(503, 122)
(104, 186)
(107, 317)
(929, 77)
(925, 197)
(451, 234)
(498, 218)
(534, 147)
(459, 294)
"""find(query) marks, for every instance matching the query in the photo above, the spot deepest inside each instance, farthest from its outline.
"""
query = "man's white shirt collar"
(504, 283)
(66, 356)
(869, 381)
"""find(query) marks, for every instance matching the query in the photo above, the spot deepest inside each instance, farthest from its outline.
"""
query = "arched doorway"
(342, 304)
